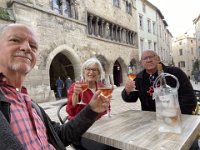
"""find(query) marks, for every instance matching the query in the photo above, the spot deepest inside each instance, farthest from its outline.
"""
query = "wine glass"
(84, 86)
(106, 89)
(132, 73)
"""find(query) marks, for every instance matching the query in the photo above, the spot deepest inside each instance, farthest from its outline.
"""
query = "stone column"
(102, 28)
(107, 30)
(124, 35)
(120, 34)
(115, 34)
(96, 32)
(131, 38)
(62, 6)
(111, 32)
(74, 9)
(90, 28)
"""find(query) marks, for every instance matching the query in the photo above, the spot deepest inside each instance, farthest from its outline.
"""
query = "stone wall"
(60, 34)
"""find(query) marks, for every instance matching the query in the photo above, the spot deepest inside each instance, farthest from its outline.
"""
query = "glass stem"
(108, 110)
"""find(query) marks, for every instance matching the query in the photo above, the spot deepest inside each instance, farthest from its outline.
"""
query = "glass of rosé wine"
(132, 73)
(84, 86)
(106, 87)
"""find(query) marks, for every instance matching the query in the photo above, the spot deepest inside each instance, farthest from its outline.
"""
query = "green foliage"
(4, 14)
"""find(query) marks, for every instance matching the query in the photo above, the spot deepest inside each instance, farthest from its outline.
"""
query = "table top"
(135, 129)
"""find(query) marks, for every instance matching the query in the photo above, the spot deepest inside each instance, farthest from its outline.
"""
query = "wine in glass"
(106, 89)
(84, 86)
(132, 73)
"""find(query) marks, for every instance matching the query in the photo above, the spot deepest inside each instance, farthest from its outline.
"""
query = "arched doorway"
(117, 73)
(61, 67)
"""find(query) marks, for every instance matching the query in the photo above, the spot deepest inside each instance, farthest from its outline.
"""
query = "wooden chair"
(60, 117)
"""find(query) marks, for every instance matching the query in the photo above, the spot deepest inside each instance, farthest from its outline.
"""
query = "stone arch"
(104, 63)
(68, 62)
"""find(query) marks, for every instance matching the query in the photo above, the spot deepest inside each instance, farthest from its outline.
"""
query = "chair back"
(197, 95)
(62, 118)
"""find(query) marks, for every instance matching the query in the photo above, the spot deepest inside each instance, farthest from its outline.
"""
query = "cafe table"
(138, 130)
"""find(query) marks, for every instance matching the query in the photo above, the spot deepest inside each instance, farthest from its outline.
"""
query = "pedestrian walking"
(68, 83)
(59, 87)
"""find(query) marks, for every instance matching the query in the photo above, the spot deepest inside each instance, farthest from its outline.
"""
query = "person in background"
(92, 72)
(59, 87)
(144, 84)
(196, 74)
(68, 83)
(24, 124)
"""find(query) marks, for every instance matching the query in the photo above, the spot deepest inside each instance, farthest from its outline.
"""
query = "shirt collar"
(4, 82)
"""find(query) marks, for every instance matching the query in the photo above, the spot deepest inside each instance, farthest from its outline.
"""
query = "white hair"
(92, 61)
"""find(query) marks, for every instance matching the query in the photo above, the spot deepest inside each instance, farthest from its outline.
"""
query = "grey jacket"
(59, 136)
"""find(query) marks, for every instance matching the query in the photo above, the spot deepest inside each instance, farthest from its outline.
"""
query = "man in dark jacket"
(144, 85)
(23, 124)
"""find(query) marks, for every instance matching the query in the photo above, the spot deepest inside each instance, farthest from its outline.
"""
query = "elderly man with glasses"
(143, 84)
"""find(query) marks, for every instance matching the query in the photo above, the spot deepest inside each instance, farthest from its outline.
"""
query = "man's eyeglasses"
(148, 57)
(92, 69)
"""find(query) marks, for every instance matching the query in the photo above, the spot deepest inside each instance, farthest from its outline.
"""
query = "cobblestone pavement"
(117, 105)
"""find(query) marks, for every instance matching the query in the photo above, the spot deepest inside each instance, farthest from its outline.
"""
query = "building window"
(180, 52)
(141, 21)
(56, 5)
(149, 25)
(128, 8)
(180, 43)
(160, 31)
(116, 3)
(141, 45)
(155, 46)
(149, 44)
(192, 51)
(144, 8)
(154, 28)
(181, 64)
(66, 8)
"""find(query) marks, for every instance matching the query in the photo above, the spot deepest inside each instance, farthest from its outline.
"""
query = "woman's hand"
(77, 90)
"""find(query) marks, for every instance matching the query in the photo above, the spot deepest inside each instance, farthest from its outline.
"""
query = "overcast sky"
(178, 14)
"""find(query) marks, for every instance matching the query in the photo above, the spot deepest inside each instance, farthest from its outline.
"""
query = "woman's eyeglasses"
(91, 69)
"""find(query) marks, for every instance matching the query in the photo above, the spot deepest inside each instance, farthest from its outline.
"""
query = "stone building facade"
(70, 32)
(184, 52)
(152, 31)
(196, 22)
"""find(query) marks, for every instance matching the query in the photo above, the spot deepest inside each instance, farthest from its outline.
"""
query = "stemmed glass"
(132, 73)
(84, 86)
(106, 89)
